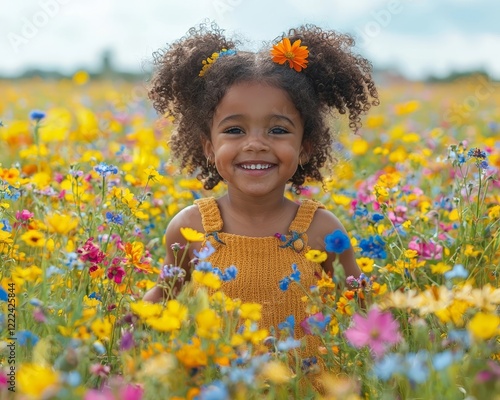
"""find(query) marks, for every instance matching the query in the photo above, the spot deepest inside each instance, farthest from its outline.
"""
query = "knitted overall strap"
(210, 215)
(305, 215)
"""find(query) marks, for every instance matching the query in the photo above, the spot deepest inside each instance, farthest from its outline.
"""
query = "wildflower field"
(87, 189)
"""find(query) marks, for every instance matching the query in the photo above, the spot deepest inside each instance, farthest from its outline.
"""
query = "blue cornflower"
(458, 271)
(23, 337)
(95, 295)
(114, 218)
(204, 266)
(4, 296)
(337, 242)
(288, 324)
(461, 336)
(373, 247)
(360, 212)
(229, 274)
(53, 270)
(288, 344)
(476, 153)
(6, 225)
(415, 366)
(285, 283)
(295, 276)
(444, 359)
(483, 165)
(72, 378)
(205, 252)
(104, 169)
(216, 390)
(37, 115)
(377, 217)
(387, 366)
(122, 149)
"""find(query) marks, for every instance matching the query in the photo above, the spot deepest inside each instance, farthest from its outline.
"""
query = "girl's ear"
(305, 152)
(208, 148)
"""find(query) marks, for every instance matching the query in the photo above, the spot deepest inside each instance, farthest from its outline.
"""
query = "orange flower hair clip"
(295, 54)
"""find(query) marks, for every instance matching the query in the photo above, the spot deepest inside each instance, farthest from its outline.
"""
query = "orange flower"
(295, 54)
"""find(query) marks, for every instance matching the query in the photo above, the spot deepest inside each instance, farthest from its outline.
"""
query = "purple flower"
(378, 331)
(337, 242)
(127, 341)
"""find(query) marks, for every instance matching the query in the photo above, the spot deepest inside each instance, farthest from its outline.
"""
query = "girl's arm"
(324, 223)
(188, 217)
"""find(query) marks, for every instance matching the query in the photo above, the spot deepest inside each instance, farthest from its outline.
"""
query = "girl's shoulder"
(188, 217)
(324, 222)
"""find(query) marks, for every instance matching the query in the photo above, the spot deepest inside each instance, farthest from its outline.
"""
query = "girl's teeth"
(256, 166)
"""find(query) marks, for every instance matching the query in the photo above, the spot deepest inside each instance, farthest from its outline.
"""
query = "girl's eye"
(279, 131)
(233, 130)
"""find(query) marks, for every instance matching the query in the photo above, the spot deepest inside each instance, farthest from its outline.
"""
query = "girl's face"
(256, 139)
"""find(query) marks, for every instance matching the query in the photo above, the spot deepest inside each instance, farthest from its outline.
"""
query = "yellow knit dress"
(262, 262)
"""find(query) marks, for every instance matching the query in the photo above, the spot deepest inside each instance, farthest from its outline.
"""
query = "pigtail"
(341, 79)
(178, 90)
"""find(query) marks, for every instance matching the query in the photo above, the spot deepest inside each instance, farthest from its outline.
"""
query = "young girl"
(257, 121)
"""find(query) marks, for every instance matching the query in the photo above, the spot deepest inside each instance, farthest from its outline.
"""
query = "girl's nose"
(256, 142)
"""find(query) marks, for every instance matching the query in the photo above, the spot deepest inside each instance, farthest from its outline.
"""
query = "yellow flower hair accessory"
(210, 60)
(295, 54)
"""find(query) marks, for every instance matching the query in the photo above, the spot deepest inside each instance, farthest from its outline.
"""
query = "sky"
(416, 37)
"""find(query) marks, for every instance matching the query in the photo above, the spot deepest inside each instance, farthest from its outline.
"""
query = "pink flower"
(116, 273)
(91, 252)
(426, 250)
(378, 331)
(24, 215)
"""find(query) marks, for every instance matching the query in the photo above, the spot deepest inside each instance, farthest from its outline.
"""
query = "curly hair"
(335, 79)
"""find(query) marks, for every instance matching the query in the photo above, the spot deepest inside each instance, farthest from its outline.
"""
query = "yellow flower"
(411, 253)
(484, 325)
(440, 268)
(366, 264)
(295, 54)
(153, 175)
(251, 311)
(5, 240)
(164, 323)
(220, 301)
(469, 251)
(494, 213)
(61, 223)
(102, 328)
(325, 282)
(192, 355)
(208, 324)
(359, 146)
(145, 310)
(177, 310)
(34, 380)
(81, 77)
(276, 372)
(208, 279)
(33, 238)
(316, 256)
(192, 235)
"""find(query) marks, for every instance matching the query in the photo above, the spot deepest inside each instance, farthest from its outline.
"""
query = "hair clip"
(210, 60)
(295, 54)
